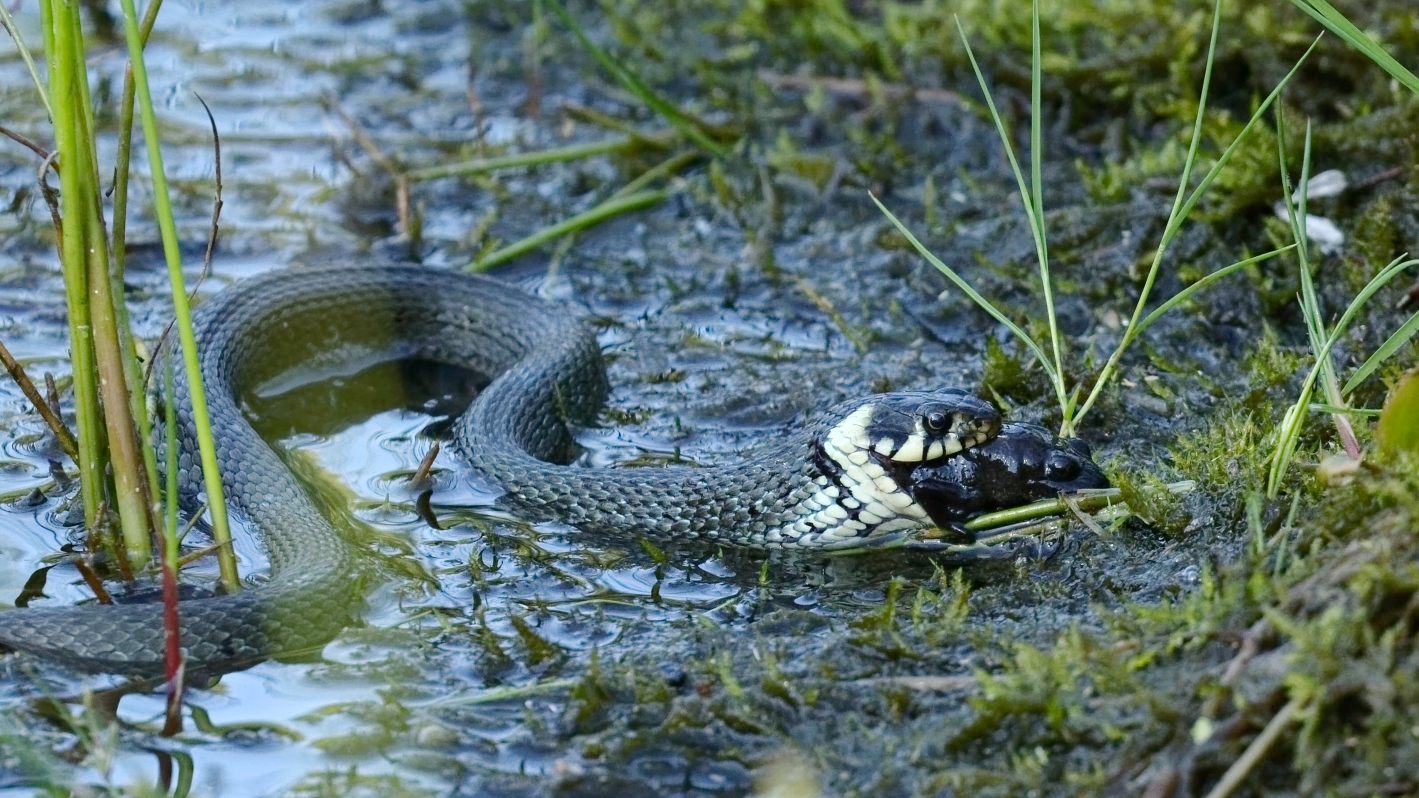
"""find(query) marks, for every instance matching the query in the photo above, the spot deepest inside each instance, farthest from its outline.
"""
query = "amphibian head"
(1022, 464)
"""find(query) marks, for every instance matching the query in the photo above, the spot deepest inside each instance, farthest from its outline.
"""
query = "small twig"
(92, 580)
(1411, 296)
(22, 139)
(187, 559)
(1347, 436)
(532, 67)
(155, 352)
(1258, 749)
(191, 523)
(591, 116)
(825, 305)
(1072, 502)
(56, 424)
(51, 197)
(425, 466)
(859, 89)
(216, 202)
(401, 206)
(51, 394)
(1251, 646)
(1378, 177)
(366, 143)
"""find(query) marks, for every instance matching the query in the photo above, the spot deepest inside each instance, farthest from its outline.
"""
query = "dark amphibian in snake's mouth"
(1021, 464)
(845, 479)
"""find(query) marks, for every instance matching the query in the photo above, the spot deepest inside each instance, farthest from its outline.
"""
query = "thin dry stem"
(56, 424)
(21, 139)
(1258, 749)
(426, 465)
(92, 580)
(824, 304)
(366, 143)
(216, 201)
(187, 559)
(51, 197)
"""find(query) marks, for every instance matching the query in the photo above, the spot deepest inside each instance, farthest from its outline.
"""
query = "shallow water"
(464, 677)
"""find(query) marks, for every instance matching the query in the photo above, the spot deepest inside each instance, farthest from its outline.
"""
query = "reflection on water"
(480, 604)
(475, 658)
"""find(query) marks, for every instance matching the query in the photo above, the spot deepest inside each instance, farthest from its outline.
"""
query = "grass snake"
(840, 481)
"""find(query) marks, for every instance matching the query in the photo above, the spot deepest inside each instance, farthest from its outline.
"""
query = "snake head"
(1022, 464)
(865, 453)
(905, 429)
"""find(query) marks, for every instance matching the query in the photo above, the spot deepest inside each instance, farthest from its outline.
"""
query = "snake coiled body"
(545, 367)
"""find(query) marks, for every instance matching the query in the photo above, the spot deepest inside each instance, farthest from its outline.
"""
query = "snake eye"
(936, 420)
(1061, 468)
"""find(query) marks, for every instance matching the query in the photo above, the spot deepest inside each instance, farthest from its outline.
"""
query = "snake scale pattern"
(839, 481)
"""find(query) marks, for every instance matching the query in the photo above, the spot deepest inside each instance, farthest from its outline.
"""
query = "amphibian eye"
(1061, 468)
(936, 420)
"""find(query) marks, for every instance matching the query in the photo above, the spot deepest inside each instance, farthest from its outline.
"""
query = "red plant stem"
(172, 639)
(1347, 436)
(172, 722)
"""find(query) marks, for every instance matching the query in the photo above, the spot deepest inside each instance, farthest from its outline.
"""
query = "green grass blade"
(573, 153)
(1315, 320)
(1175, 223)
(80, 175)
(1033, 213)
(118, 233)
(216, 496)
(1037, 193)
(1327, 15)
(1184, 294)
(1376, 283)
(1196, 142)
(1227, 154)
(1288, 436)
(611, 207)
(634, 85)
(59, 46)
(9, 23)
(1310, 304)
(1290, 430)
(666, 168)
(999, 128)
(1322, 407)
(1388, 348)
(1178, 213)
(971, 292)
(1310, 307)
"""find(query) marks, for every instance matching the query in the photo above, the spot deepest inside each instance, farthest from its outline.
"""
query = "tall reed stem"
(60, 45)
(216, 498)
